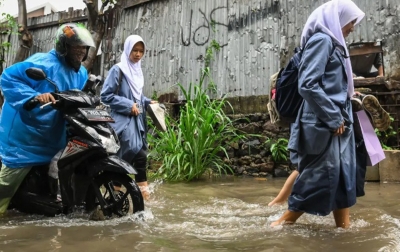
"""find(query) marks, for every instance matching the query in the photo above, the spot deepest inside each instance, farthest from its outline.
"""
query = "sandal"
(356, 104)
(380, 118)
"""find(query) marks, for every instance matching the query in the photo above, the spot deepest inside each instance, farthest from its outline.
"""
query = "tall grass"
(193, 143)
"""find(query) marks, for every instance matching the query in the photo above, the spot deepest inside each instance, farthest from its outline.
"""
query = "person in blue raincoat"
(31, 138)
(322, 139)
(128, 106)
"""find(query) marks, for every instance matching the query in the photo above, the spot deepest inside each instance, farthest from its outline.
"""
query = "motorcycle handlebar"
(31, 104)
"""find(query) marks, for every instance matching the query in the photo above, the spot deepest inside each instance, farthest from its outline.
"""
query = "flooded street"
(228, 214)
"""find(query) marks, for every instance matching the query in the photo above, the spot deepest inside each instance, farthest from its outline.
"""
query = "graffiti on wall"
(200, 34)
(210, 24)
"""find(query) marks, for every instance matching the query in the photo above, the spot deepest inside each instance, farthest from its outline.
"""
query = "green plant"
(213, 25)
(154, 96)
(213, 47)
(8, 26)
(279, 150)
(193, 144)
(384, 136)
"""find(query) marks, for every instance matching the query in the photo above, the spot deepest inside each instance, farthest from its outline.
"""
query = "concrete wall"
(386, 171)
(389, 168)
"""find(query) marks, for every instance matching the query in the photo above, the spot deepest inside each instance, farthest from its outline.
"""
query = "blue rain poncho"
(29, 138)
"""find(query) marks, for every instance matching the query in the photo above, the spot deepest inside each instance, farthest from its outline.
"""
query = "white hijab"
(330, 18)
(132, 71)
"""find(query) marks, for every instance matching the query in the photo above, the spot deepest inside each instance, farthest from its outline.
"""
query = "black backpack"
(285, 104)
(287, 97)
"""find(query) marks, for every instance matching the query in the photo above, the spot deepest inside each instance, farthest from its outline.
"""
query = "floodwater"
(227, 214)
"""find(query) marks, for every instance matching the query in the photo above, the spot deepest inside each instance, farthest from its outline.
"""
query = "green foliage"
(8, 21)
(154, 96)
(384, 136)
(193, 144)
(214, 47)
(278, 148)
(8, 26)
(213, 25)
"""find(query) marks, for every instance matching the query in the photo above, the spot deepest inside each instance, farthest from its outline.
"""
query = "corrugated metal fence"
(256, 38)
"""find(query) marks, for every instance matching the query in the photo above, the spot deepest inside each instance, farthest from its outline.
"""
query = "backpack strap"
(333, 47)
(341, 49)
(119, 81)
(334, 44)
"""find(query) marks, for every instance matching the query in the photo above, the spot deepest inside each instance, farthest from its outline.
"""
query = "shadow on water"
(228, 214)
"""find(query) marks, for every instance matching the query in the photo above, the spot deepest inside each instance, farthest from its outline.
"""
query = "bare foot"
(145, 192)
(288, 217)
(276, 202)
(281, 222)
(144, 188)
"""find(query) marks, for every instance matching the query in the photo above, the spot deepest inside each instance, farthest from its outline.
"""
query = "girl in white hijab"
(322, 138)
(131, 65)
(326, 19)
(123, 92)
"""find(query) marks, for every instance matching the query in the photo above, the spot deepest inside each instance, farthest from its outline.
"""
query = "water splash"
(227, 217)
(393, 233)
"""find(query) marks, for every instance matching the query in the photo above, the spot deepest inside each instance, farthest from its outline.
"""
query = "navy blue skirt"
(326, 181)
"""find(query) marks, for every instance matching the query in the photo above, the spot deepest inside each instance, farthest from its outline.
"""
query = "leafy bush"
(385, 136)
(279, 150)
(193, 144)
(8, 26)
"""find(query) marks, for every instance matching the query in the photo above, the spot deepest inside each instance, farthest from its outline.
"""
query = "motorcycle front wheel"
(117, 194)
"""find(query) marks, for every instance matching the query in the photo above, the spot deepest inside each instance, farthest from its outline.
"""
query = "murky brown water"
(229, 214)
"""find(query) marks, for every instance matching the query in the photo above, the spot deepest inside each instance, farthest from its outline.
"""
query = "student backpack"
(288, 99)
(284, 98)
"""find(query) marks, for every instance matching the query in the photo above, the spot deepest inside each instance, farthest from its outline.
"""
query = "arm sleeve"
(311, 70)
(116, 102)
(16, 85)
(146, 101)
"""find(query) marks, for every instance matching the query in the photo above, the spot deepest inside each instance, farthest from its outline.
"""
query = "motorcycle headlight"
(109, 144)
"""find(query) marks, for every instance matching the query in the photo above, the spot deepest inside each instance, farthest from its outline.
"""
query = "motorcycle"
(90, 176)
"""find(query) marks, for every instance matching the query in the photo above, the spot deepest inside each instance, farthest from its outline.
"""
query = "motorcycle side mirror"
(93, 84)
(38, 74)
(99, 84)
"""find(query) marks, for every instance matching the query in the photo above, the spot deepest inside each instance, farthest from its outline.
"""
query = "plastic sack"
(372, 143)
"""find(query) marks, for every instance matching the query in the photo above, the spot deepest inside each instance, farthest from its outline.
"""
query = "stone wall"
(252, 157)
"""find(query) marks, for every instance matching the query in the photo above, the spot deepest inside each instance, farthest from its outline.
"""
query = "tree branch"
(25, 37)
(92, 12)
(22, 19)
(96, 26)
